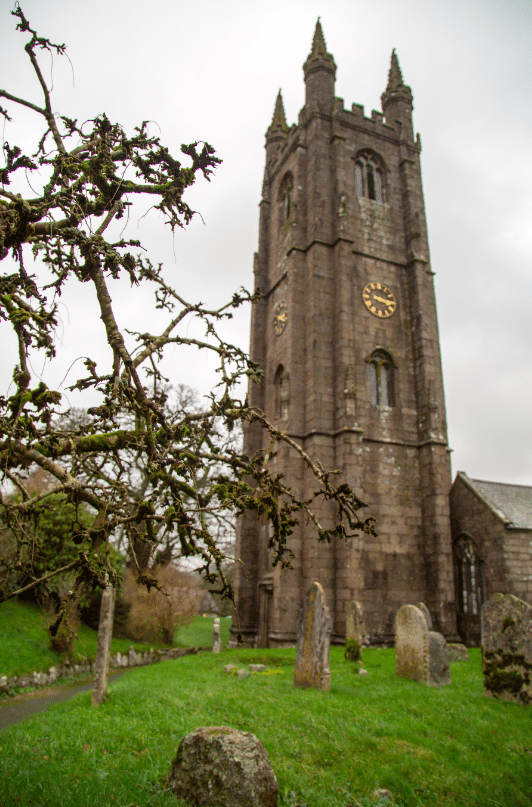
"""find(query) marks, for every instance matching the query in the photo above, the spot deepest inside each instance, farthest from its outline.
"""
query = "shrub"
(157, 613)
(353, 651)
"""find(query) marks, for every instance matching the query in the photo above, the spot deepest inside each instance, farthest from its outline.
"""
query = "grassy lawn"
(24, 639)
(449, 746)
(199, 632)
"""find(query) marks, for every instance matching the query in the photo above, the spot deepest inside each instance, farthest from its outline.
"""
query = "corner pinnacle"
(396, 91)
(278, 126)
(395, 77)
(279, 118)
(319, 47)
(318, 56)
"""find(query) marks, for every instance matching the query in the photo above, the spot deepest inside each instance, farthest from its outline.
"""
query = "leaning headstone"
(457, 652)
(507, 648)
(229, 668)
(353, 632)
(426, 613)
(313, 641)
(225, 767)
(242, 673)
(420, 654)
(216, 643)
(256, 668)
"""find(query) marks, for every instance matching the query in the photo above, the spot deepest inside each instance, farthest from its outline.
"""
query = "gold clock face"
(280, 318)
(379, 300)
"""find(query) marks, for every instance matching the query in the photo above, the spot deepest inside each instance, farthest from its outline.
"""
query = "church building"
(347, 335)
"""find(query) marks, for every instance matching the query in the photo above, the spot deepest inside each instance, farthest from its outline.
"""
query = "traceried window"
(369, 182)
(282, 393)
(286, 198)
(468, 575)
(381, 389)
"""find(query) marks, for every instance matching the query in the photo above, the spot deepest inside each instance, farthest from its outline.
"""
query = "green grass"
(437, 747)
(24, 640)
(199, 632)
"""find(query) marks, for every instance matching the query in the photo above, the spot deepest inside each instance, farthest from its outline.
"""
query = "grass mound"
(24, 640)
(438, 747)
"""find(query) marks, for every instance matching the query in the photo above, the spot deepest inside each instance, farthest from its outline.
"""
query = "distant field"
(24, 639)
(448, 747)
(199, 632)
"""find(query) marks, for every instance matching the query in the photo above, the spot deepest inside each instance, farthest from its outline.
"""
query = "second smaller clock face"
(280, 317)
(379, 300)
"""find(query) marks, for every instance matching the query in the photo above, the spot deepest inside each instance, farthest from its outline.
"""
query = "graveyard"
(352, 745)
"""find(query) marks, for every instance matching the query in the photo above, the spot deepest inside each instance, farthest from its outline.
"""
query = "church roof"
(511, 503)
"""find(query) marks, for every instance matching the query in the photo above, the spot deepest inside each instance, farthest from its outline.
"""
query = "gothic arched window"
(381, 388)
(282, 393)
(286, 197)
(468, 575)
(369, 177)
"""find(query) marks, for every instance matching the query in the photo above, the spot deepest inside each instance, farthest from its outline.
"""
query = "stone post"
(216, 643)
(105, 632)
(313, 640)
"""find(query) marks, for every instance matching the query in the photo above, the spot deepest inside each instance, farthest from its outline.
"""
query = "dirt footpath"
(14, 710)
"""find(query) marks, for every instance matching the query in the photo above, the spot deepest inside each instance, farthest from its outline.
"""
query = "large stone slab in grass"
(439, 661)
(314, 626)
(222, 767)
(507, 648)
(420, 654)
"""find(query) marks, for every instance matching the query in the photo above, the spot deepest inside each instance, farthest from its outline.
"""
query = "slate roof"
(513, 502)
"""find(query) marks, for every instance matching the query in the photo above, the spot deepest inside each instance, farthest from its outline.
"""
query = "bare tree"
(87, 176)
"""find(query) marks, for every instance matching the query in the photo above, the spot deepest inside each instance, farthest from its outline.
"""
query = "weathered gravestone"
(426, 613)
(421, 654)
(506, 624)
(439, 666)
(223, 767)
(314, 626)
(353, 632)
(216, 643)
(457, 652)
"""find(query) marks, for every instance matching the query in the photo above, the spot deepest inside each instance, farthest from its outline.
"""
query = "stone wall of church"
(506, 553)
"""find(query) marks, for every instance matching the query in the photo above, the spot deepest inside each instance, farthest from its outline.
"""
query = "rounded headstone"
(412, 644)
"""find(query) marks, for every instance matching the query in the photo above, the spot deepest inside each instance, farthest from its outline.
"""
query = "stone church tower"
(347, 335)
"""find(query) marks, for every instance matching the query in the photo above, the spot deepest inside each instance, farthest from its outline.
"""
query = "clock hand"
(382, 300)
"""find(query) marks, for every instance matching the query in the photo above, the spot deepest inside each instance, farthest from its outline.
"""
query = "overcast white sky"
(211, 71)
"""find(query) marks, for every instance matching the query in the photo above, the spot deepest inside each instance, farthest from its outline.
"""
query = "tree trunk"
(105, 632)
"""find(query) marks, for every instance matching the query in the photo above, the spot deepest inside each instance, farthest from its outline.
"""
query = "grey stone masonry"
(313, 641)
(507, 648)
(346, 334)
